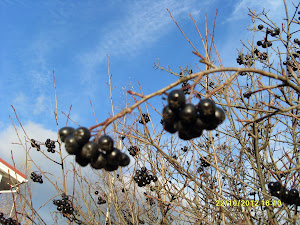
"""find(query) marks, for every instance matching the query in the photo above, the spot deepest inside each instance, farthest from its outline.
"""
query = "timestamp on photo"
(241, 202)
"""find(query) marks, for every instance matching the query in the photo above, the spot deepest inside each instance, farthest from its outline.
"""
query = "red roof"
(12, 168)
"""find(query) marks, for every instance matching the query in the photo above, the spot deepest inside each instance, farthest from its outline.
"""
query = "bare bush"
(220, 177)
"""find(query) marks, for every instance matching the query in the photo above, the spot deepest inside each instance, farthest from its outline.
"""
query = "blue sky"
(73, 38)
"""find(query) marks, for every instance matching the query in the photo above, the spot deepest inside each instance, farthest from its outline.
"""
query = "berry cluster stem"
(189, 77)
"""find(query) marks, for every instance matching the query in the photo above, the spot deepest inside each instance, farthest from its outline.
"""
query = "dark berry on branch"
(176, 99)
(154, 178)
(269, 44)
(206, 108)
(185, 135)
(82, 135)
(293, 196)
(89, 150)
(260, 26)
(65, 132)
(207, 124)
(33, 142)
(111, 167)
(273, 33)
(124, 160)
(169, 115)
(284, 195)
(274, 186)
(188, 114)
(114, 156)
(105, 143)
(71, 145)
(169, 127)
(99, 162)
(81, 161)
(219, 115)
(143, 169)
(247, 95)
(133, 150)
(184, 149)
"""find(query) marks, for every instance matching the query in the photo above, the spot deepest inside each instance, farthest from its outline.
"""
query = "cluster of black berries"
(50, 145)
(142, 177)
(190, 120)
(133, 150)
(8, 221)
(296, 40)
(186, 88)
(263, 56)
(260, 55)
(64, 205)
(77, 143)
(146, 118)
(247, 94)
(244, 60)
(287, 196)
(34, 144)
(294, 66)
(100, 199)
(204, 163)
(274, 32)
(184, 148)
(185, 71)
(296, 54)
(264, 44)
(36, 177)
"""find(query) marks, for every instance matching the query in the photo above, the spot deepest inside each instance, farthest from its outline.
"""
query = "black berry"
(260, 26)
(71, 145)
(82, 135)
(105, 143)
(176, 99)
(65, 132)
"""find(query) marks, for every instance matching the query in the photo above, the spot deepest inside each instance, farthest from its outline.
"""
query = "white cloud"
(145, 23)
(33, 130)
(20, 98)
(241, 8)
(28, 105)
(40, 105)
